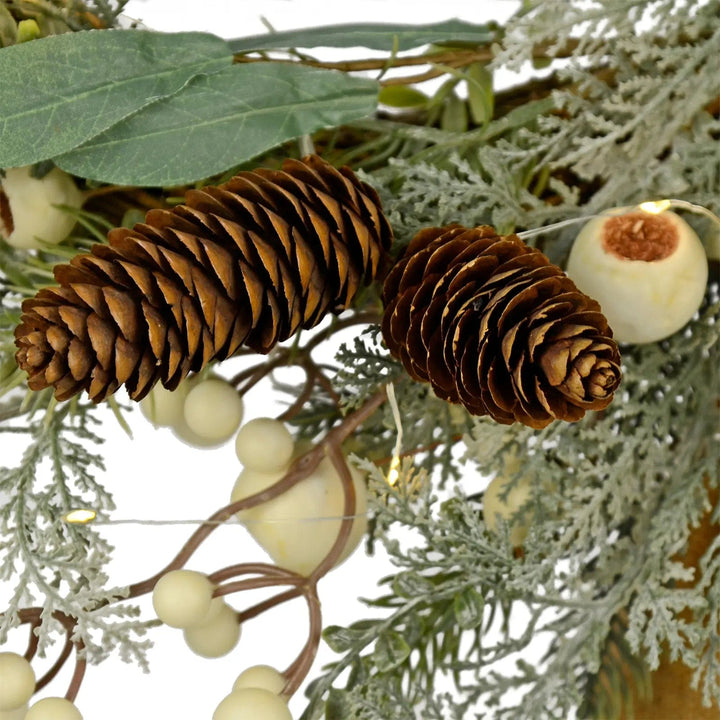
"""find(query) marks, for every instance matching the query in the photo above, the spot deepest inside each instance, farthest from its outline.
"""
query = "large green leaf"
(377, 36)
(58, 92)
(220, 120)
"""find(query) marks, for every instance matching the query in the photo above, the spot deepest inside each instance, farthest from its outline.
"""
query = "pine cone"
(245, 263)
(491, 324)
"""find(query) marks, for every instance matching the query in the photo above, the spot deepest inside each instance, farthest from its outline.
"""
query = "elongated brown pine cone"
(246, 263)
(491, 324)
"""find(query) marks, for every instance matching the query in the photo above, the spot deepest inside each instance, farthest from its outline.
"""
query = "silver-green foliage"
(614, 499)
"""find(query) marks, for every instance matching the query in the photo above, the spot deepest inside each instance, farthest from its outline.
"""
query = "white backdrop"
(154, 476)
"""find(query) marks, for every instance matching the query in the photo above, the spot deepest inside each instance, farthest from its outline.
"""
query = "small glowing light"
(394, 472)
(655, 207)
(81, 516)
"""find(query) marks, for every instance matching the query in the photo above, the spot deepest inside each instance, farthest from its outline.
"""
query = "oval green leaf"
(221, 120)
(376, 36)
(58, 92)
(390, 651)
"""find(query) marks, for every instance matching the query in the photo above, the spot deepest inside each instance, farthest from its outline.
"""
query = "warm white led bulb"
(648, 270)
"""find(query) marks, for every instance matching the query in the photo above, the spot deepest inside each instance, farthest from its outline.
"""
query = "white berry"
(264, 444)
(250, 482)
(18, 681)
(17, 714)
(261, 676)
(647, 271)
(252, 704)
(182, 598)
(217, 636)
(27, 215)
(213, 410)
(298, 528)
(163, 407)
(53, 708)
(494, 506)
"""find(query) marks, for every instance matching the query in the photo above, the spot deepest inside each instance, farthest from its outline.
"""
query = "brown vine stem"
(299, 669)
(252, 568)
(79, 674)
(33, 640)
(32, 616)
(271, 602)
(464, 57)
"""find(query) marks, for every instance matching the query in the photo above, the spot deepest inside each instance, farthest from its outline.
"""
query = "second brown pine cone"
(491, 324)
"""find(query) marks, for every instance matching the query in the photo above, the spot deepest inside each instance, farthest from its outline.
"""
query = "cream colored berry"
(647, 271)
(494, 506)
(213, 410)
(250, 482)
(17, 714)
(163, 407)
(217, 636)
(264, 444)
(253, 704)
(182, 598)
(18, 681)
(53, 708)
(28, 217)
(261, 676)
(298, 528)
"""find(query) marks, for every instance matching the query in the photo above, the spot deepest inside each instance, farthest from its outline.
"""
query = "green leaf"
(221, 120)
(410, 585)
(468, 609)
(336, 707)
(454, 116)
(402, 96)
(390, 651)
(8, 27)
(58, 92)
(341, 639)
(376, 36)
(481, 98)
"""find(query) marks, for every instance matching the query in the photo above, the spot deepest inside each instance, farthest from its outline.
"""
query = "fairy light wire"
(652, 207)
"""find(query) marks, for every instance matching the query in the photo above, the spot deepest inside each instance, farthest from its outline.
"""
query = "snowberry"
(17, 714)
(163, 407)
(264, 444)
(27, 212)
(298, 528)
(261, 676)
(18, 681)
(216, 636)
(213, 410)
(182, 598)
(647, 271)
(53, 708)
(253, 704)
(494, 506)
